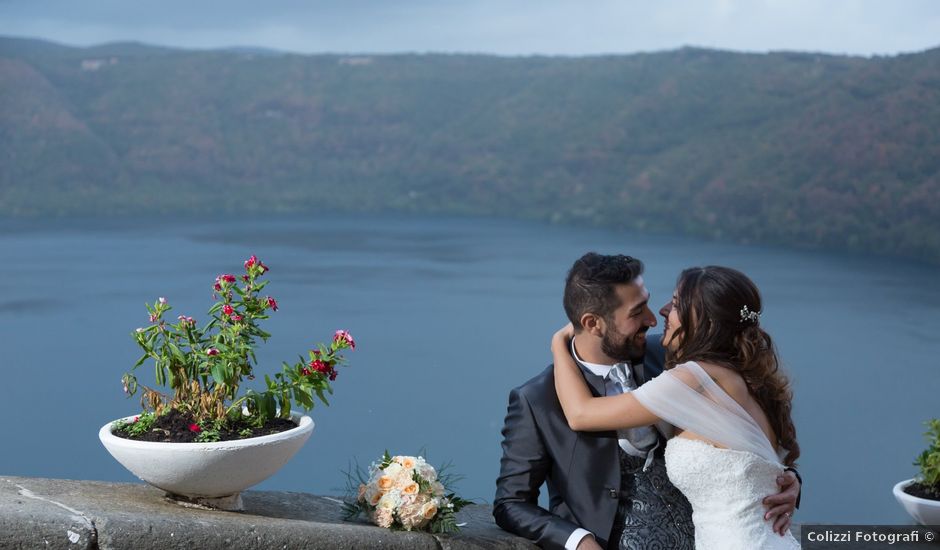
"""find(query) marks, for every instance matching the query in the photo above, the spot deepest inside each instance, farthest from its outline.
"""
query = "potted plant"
(920, 496)
(210, 439)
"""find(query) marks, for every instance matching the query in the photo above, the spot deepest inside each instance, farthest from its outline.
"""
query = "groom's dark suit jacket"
(581, 469)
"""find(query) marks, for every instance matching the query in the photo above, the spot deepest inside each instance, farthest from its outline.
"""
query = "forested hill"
(800, 149)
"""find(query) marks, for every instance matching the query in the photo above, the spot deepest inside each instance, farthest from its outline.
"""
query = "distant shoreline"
(811, 151)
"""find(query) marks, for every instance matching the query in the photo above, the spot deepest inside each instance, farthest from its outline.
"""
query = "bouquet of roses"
(405, 492)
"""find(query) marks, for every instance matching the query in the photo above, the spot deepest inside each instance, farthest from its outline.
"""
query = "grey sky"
(863, 27)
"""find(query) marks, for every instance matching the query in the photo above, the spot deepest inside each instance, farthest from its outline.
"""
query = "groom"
(600, 484)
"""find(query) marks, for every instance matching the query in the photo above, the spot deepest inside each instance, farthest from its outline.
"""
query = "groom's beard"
(622, 348)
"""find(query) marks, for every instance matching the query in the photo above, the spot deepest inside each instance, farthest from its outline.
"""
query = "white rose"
(388, 501)
(427, 472)
(393, 469)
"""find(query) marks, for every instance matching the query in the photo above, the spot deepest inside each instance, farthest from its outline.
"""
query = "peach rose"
(374, 499)
(410, 489)
(386, 482)
(429, 510)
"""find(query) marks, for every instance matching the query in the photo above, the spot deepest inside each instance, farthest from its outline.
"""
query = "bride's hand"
(562, 339)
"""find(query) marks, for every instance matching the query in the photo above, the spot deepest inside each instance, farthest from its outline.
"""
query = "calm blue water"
(449, 315)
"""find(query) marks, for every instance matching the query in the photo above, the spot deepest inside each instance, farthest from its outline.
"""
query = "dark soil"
(174, 427)
(919, 490)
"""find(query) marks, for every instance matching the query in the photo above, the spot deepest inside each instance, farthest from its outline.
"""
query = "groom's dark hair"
(591, 282)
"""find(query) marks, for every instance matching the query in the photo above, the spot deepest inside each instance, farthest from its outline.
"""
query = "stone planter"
(924, 511)
(208, 474)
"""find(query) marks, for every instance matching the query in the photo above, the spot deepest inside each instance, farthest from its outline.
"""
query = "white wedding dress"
(725, 486)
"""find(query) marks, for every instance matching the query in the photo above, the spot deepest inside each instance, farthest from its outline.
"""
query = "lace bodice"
(725, 488)
(725, 485)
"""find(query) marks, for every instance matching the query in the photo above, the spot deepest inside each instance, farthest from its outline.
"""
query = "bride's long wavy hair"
(714, 330)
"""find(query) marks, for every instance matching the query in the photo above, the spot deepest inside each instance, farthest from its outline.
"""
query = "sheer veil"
(688, 398)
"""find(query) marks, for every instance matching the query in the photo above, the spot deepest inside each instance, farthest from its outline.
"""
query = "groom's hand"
(780, 507)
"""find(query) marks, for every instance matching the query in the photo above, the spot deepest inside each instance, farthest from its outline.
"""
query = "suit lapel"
(597, 384)
(598, 389)
(639, 373)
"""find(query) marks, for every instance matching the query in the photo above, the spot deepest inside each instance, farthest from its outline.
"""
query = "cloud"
(491, 26)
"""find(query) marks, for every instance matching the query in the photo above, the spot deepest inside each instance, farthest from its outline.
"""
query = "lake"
(449, 315)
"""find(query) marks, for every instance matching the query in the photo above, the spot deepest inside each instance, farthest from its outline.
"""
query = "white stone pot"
(208, 474)
(925, 511)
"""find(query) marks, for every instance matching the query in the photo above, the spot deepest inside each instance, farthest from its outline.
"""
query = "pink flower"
(162, 300)
(323, 367)
(245, 278)
(212, 351)
(195, 428)
(346, 337)
(225, 278)
(227, 309)
(136, 418)
(236, 317)
(272, 303)
(187, 320)
(383, 518)
(153, 317)
(254, 261)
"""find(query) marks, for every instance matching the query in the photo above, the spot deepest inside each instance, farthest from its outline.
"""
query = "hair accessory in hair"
(748, 316)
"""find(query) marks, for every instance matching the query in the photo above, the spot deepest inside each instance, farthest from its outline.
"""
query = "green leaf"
(270, 405)
(304, 398)
(177, 353)
(160, 373)
(218, 371)
(351, 511)
(322, 397)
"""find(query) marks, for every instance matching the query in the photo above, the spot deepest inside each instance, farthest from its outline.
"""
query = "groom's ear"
(593, 324)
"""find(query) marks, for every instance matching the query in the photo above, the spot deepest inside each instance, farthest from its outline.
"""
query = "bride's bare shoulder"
(728, 379)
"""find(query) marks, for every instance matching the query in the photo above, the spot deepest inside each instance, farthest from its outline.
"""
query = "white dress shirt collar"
(594, 368)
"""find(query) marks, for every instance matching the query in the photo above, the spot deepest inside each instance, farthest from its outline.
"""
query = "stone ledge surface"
(95, 515)
(56, 513)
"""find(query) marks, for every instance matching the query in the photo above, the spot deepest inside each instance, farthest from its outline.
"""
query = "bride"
(725, 394)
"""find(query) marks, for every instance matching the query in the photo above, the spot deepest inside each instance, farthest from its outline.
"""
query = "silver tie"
(634, 441)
